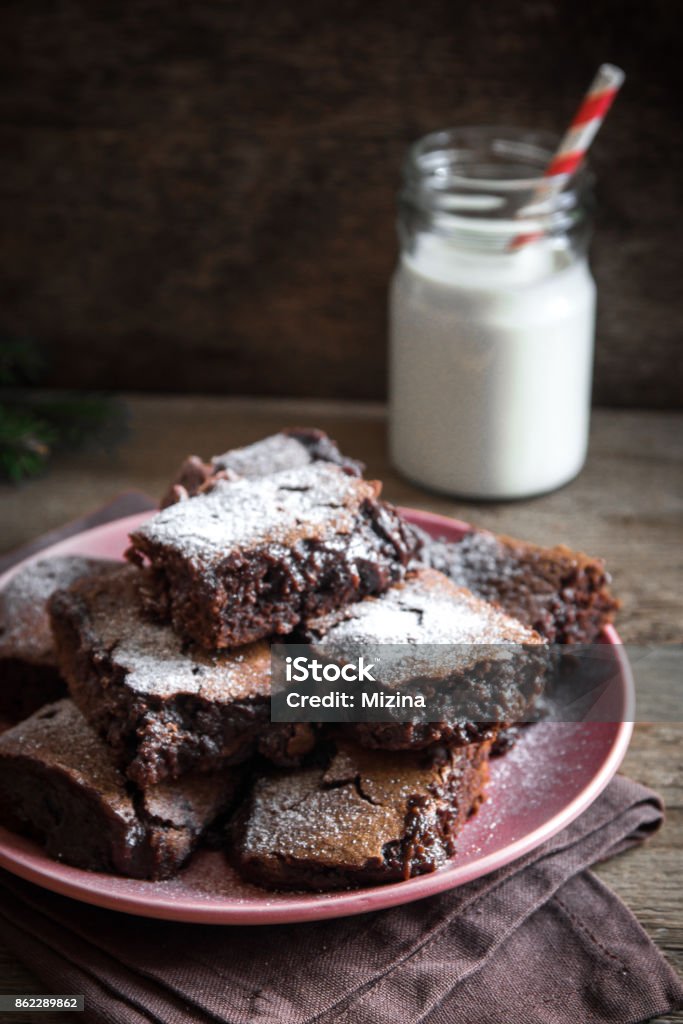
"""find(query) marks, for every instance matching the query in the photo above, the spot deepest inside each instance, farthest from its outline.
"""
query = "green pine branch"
(34, 425)
(25, 443)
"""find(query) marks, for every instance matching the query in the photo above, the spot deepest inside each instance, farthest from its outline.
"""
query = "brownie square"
(253, 557)
(488, 668)
(29, 676)
(60, 785)
(164, 709)
(288, 449)
(364, 817)
(563, 594)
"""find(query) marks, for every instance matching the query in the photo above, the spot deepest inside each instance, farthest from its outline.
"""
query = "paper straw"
(577, 139)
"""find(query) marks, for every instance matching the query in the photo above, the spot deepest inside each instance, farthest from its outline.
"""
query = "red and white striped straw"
(578, 137)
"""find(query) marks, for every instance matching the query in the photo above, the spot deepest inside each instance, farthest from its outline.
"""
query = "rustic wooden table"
(627, 505)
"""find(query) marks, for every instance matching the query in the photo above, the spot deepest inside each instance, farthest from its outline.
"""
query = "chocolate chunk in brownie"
(59, 785)
(289, 449)
(29, 676)
(563, 594)
(254, 556)
(364, 818)
(163, 708)
(485, 667)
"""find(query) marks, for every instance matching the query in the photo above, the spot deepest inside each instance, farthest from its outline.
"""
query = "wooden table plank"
(627, 506)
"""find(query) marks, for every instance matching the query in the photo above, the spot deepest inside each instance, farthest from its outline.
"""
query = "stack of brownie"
(165, 741)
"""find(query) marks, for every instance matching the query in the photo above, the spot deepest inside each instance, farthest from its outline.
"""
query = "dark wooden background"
(200, 196)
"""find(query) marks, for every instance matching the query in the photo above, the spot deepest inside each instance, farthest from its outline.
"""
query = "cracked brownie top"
(362, 816)
(425, 608)
(288, 449)
(305, 503)
(147, 657)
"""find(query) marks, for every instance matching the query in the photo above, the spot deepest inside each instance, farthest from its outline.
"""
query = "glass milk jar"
(491, 317)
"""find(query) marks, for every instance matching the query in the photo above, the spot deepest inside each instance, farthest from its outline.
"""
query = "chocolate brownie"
(254, 556)
(289, 449)
(59, 785)
(163, 708)
(485, 668)
(364, 818)
(563, 594)
(29, 676)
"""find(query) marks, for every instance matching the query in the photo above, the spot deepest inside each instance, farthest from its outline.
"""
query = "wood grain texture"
(201, 197)
(627, 506)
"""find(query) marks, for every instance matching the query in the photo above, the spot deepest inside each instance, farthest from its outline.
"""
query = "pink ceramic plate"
(553, 773)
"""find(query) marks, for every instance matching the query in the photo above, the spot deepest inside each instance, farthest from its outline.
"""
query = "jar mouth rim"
(447, 149)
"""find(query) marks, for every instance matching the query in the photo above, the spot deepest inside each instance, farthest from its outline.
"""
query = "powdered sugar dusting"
(305, 503)
(24, 625)
(154, 661)
(426, 609)
(271, 455)
(343, 817)
(424, 627)
(296, 817)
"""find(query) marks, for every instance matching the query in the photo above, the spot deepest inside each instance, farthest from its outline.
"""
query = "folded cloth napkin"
(541, 940)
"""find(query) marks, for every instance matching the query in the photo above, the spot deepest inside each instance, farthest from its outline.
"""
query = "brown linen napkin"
(541, 940)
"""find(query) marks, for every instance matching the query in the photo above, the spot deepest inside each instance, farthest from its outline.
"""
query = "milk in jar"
(492, 315)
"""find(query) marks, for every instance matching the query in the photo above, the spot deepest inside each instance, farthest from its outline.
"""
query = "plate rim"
(91, 887)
